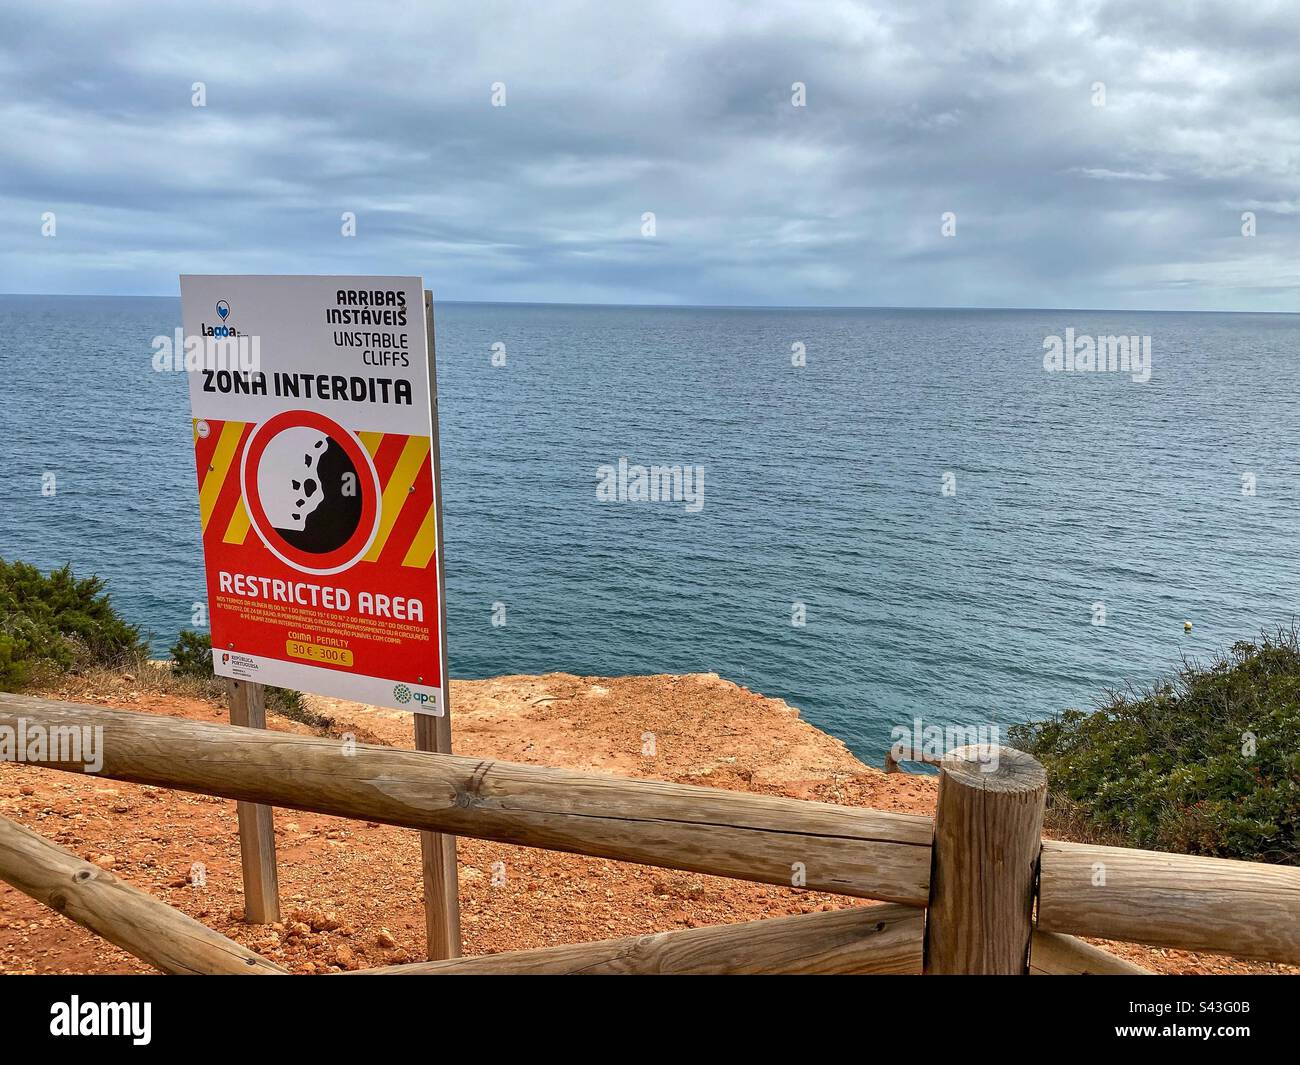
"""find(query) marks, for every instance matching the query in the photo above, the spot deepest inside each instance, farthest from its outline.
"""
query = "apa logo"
(404, 695)
(223, 328)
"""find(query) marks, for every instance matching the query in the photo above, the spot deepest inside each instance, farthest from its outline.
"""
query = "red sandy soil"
(352, 891)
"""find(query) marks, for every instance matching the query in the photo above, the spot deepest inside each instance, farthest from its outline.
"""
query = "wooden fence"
(975, 890)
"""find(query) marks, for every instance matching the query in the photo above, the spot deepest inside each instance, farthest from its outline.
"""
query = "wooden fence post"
(984, 863)
(256, 823)
(438, 855)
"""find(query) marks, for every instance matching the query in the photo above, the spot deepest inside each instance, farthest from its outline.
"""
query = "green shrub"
(57, 622)
(1207, 762)
(192, 654)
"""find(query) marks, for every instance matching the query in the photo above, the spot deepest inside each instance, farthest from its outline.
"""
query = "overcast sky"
(987, 110)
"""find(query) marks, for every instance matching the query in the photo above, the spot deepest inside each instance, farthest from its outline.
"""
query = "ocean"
(920, 522)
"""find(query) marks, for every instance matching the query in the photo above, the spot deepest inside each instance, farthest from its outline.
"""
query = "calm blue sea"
(823, 487)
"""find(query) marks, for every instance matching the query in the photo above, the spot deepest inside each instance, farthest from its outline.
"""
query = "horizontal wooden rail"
(1054, 954)
(882, 939)
(875, 940)
(138, 923)
(1249, 909)
(893, 759)
(763, 838)
(864, 939)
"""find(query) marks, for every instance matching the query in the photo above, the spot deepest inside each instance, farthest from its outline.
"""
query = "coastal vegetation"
(1206, 761)
(54, 622)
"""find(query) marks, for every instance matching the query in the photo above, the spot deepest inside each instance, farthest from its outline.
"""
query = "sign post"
(315, 438)
(437, 850)
(256, 824)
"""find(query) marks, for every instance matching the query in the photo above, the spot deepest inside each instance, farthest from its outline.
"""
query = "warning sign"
(313, 441)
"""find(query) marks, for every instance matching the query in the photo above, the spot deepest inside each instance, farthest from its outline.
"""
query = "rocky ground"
(351, 890)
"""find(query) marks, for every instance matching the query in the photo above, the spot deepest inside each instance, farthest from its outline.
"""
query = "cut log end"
(997, 769)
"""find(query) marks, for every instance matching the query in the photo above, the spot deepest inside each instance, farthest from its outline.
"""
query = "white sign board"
(318, 494)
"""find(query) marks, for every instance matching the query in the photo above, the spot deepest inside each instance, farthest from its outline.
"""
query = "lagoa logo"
(404, 695)
(223, 328)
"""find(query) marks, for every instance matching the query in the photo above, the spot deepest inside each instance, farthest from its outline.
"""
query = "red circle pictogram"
(367, 488)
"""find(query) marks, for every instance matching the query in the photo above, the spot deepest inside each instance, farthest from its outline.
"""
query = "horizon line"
(713, 306)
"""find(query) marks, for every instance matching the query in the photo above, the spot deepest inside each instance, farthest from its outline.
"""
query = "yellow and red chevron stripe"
(407, 525)
(408, 519)
(217, 457)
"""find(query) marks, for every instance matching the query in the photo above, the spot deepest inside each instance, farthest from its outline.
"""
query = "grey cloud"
(682, 109)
